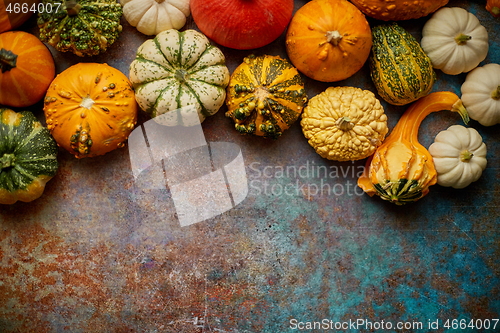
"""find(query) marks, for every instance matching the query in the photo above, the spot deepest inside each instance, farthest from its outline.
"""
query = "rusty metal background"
(96, 253)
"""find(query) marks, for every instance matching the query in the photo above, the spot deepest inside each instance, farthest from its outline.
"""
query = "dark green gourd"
(28, 157)
(399, 68)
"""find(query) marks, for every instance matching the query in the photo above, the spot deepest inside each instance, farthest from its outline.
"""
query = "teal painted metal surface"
(97, 253)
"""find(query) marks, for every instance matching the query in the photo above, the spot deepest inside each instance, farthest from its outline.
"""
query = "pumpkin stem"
(7, 60)
(344, 124)
(87, 102)
(466, 156)
(333, 37)
(159, 1)
(495, 11)
(181, 75)
(73, 7)
(462, 111)
(496, 93)
(7, 161)
(462, 39)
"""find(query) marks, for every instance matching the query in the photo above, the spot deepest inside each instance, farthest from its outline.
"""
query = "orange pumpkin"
(90, 109)
(398, 10)
(27, 68)
(328, 40)
(493, 6)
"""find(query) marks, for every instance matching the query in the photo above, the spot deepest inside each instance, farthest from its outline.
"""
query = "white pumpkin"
(481, 94)
(154, 16)
(454, 40)
(178, 73)
(459, 155)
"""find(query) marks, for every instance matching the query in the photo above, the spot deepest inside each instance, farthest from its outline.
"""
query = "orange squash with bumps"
(328, 40)
(90, 109)
(398, 10)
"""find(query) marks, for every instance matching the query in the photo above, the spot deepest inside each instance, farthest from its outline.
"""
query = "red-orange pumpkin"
(27, 68)
(242, 24)
(14, 13)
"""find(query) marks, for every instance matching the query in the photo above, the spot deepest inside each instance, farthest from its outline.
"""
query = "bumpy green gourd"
(399, 68)
(27, 157)
(84, 27)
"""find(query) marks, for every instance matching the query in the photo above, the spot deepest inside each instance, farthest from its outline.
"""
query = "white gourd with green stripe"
(176, 73)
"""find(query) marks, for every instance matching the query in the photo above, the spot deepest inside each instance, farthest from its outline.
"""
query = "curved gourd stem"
(409, 124)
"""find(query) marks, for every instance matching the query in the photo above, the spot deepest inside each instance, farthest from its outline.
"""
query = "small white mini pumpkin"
(459, 155)
(154, 16)
(454, 40)
(178, 73)
(481, 94)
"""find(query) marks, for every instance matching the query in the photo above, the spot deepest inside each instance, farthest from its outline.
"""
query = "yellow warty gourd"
(344, 123)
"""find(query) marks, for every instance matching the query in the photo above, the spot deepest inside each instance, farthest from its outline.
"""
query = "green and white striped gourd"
(28, 157)
(178, 75)
(399, 68)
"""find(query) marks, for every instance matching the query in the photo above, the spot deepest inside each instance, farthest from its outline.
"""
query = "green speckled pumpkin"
(399, 68)
(84, 27)
(265, 96)
(27, 157)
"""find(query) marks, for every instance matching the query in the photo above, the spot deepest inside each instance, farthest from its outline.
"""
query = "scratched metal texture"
(96, 253)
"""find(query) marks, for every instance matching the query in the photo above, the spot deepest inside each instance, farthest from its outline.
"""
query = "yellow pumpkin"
(90, 109)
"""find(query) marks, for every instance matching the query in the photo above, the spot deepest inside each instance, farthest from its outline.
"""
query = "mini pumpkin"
(83, 27)
(178, 73)
(28, 157)
(242, 24)
(265, 96)
(27, 68)
(344, 123)
(459, 155)
(328, 40)
(481, 94)
(154, 16)
(90, 109)
(454, 40)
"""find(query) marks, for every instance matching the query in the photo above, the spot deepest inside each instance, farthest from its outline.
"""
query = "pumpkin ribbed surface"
(177, 74)
(27, 157)
(265, 96)
(90, 109)
(27, 68)
(399, 68)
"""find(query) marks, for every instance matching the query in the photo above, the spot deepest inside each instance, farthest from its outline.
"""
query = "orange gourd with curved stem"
(90, 109)
(401, 169)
